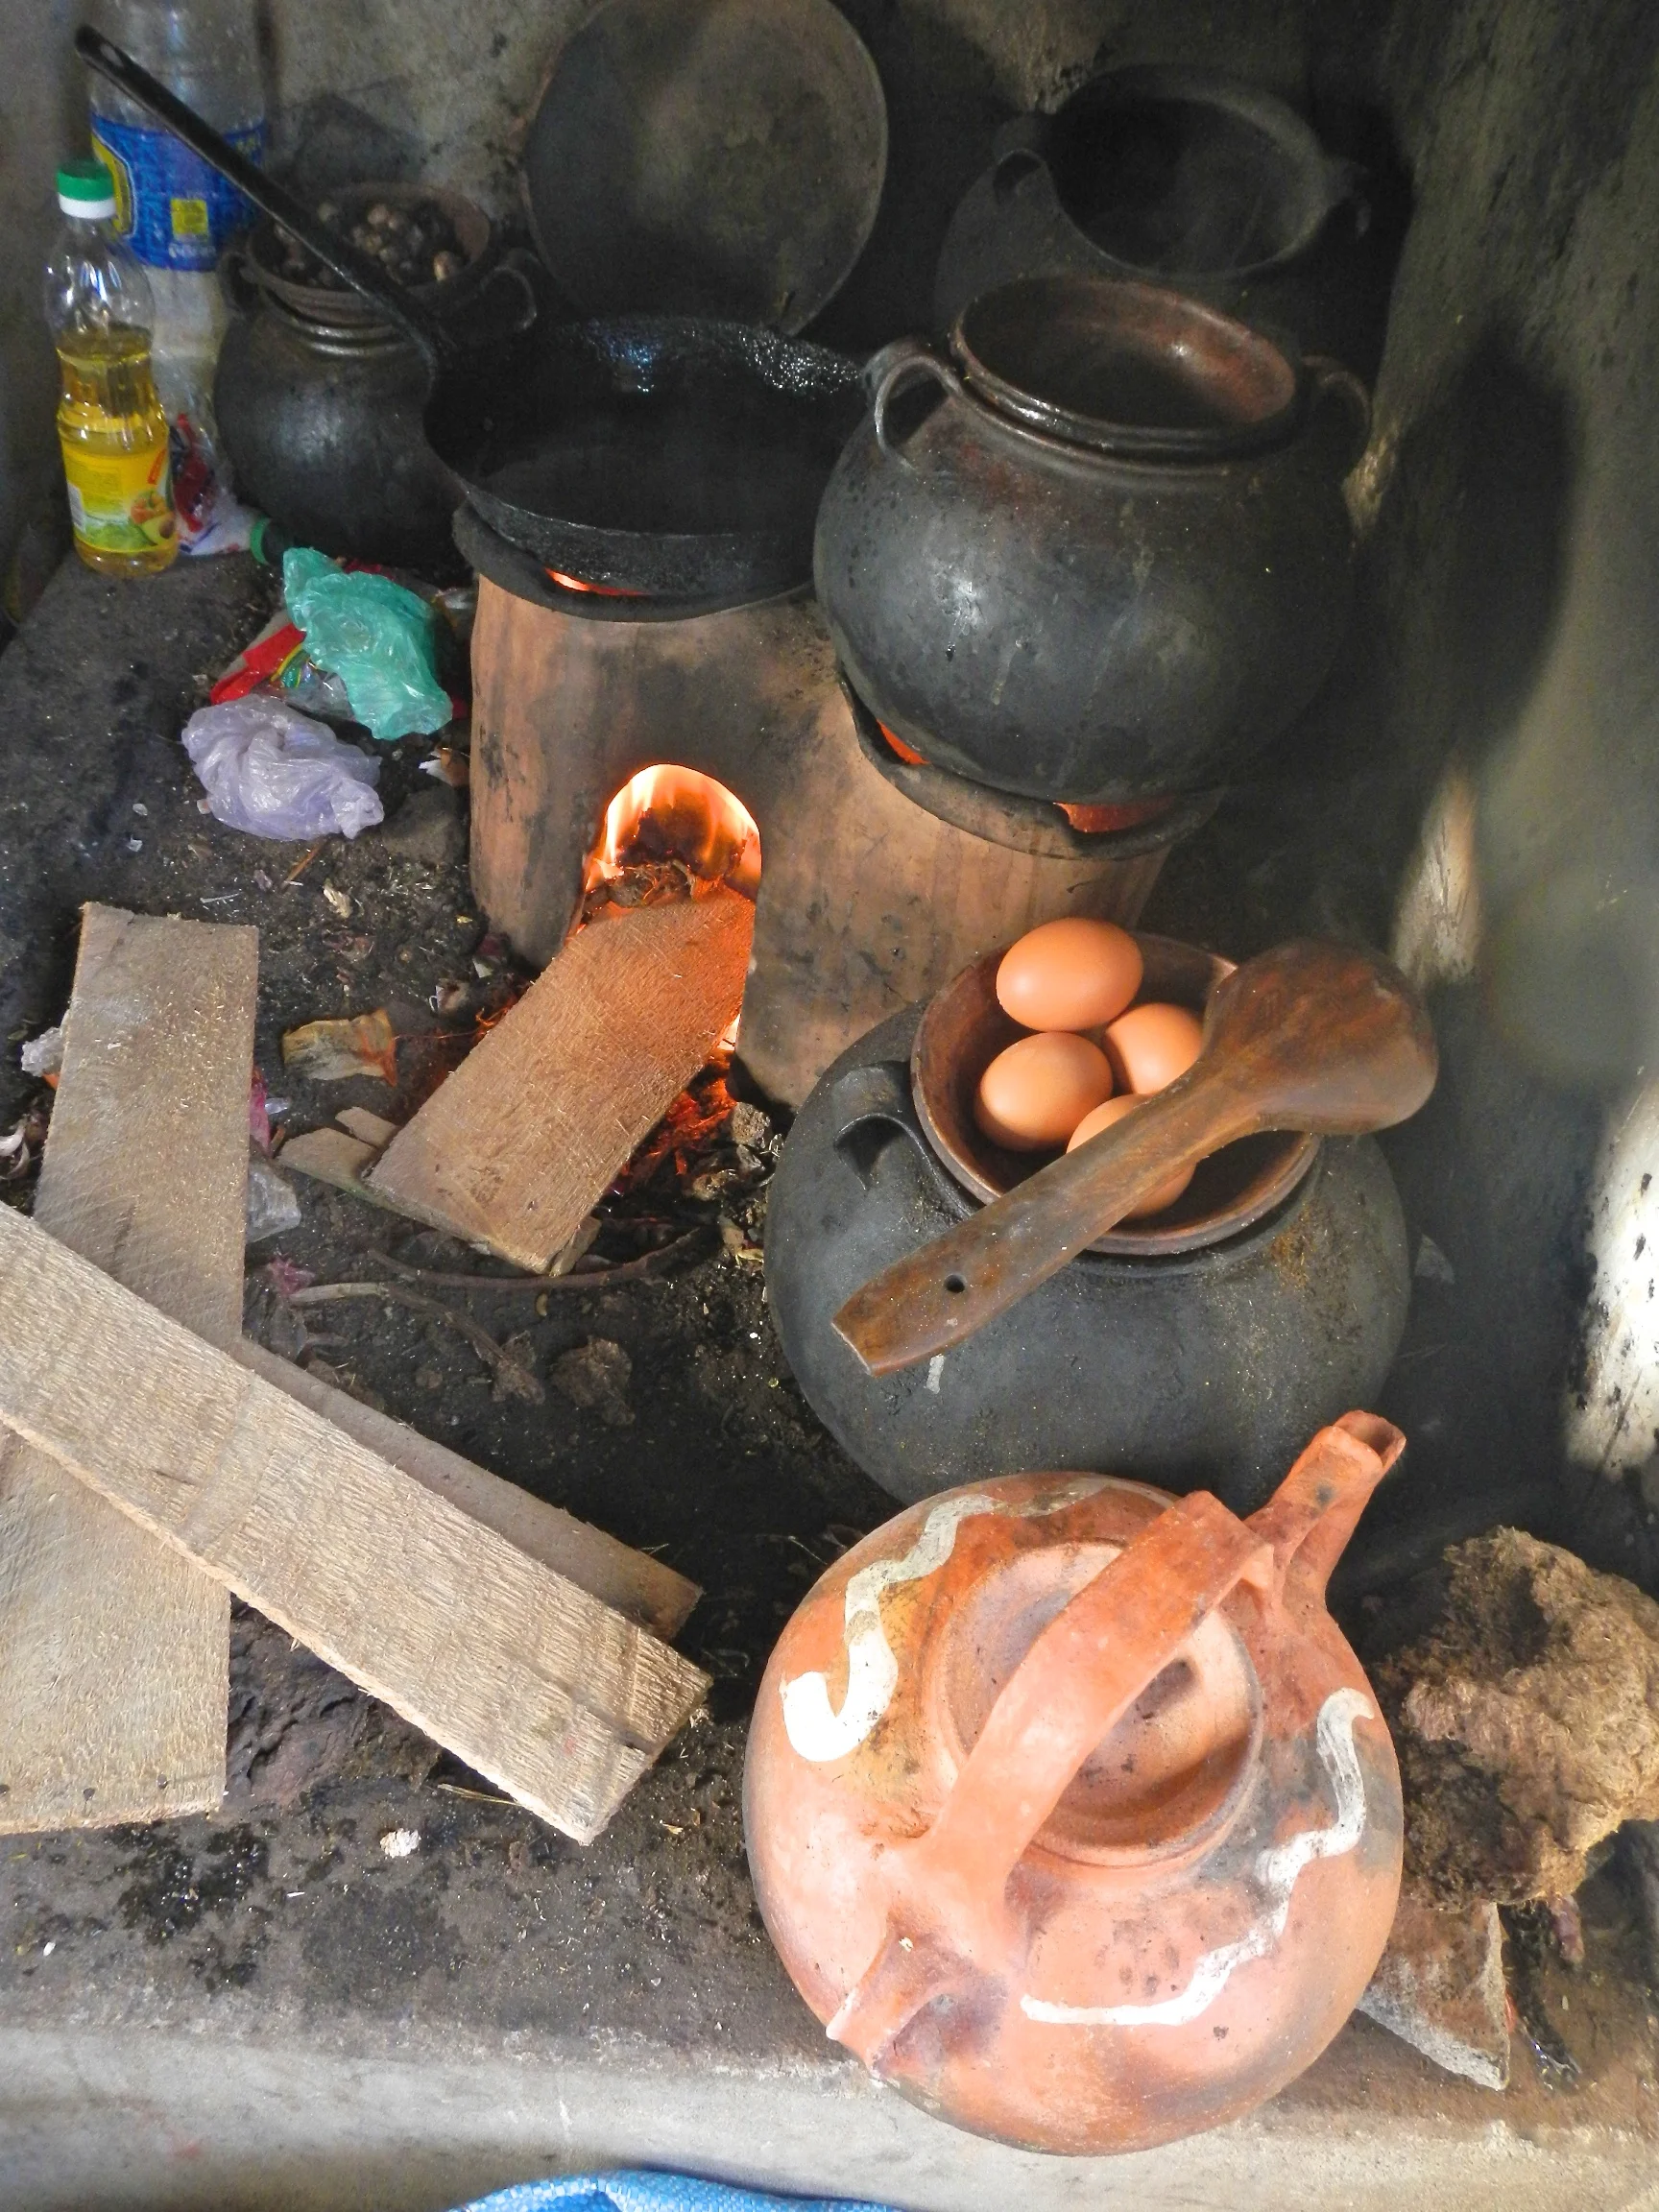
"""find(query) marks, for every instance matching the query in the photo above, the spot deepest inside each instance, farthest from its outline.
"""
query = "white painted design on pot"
(1278, 1869)
(815, 1729)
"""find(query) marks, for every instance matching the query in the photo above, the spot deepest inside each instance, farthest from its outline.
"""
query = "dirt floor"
(293, 1904)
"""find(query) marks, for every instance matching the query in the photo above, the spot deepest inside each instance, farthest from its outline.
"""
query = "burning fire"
(1088, 821)
(673, 833)
(668, 814)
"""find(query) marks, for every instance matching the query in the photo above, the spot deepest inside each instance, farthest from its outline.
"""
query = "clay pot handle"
(1329, 379)
(1085, 1670)
(886, 373)
(1311, 1516)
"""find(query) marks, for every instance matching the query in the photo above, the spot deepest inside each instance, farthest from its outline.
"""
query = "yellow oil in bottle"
(113, 434)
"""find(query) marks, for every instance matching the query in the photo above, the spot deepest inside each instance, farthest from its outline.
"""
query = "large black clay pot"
(1107, 557)
(1208, 1367)
(1193, 179)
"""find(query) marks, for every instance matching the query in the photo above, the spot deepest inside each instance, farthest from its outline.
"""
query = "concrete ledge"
(154, 2121)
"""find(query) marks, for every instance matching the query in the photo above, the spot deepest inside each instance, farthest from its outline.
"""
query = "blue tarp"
(642, 2191)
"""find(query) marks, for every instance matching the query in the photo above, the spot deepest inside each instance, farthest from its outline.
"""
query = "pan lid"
(708, 158)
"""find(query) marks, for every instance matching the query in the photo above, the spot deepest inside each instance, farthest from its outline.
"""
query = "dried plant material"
(340, 900)
(1527, 1722)
(333, 1051)
(596, 1376)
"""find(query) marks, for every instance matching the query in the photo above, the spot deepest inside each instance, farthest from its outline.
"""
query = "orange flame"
(667, 812)
(600, 590)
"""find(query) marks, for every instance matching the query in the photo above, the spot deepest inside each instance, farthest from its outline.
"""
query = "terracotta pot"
(1068, 1807)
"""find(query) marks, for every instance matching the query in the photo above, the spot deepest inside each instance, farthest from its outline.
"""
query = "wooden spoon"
(1310, 1037)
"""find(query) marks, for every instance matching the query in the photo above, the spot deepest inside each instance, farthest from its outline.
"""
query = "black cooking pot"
(1203, 1367)
(1108, 558)
(1193, 179)
(321, 401)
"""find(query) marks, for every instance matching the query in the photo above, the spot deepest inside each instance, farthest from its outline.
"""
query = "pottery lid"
(708, 158)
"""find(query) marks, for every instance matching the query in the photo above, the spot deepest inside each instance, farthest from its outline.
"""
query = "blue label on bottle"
(172, 209)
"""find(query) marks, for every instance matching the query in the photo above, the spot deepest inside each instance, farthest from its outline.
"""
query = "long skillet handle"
(349, 264)
(940, 1295)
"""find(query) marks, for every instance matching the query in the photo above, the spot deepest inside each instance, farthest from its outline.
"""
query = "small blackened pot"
(1209, 1368)
(321, 404)
(1111, 560)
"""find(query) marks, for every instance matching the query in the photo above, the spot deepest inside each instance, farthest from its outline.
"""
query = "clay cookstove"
(879, 878)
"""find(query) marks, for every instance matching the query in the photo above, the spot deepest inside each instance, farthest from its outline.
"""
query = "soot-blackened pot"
(320, 403)
(1193, 179)
(1202, 1368)
(1110, 560)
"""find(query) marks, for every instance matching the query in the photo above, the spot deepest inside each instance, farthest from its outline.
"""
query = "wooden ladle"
(1310, 1037)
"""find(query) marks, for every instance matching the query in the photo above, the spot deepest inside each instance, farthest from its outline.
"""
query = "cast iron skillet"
(660, 454)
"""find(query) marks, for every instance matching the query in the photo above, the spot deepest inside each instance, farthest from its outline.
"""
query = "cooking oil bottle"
(110, 420)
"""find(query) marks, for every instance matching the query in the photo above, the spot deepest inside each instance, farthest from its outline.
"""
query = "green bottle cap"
(87, 188)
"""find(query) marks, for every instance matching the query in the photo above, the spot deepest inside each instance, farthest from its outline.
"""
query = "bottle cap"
(87, 188)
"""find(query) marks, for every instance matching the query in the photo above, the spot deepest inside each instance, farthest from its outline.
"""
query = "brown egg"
(1102, 1118)
(1034, 1095)
(1073, 974)
(1151, 1045)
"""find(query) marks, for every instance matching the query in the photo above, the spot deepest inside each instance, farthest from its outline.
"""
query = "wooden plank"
(374, 1130)
(538, 1120)
(554, 1697)
(632, 1582)
(113, 1650)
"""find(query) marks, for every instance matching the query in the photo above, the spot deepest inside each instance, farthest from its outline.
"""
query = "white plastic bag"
(273, 772)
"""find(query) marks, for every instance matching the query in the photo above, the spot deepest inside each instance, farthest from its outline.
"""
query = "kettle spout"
(906, 1975)
(1309, 1517)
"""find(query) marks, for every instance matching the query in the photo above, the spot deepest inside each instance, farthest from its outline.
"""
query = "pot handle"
(238, 286)
(1330, 378)
(1020, 149)
(948, 1922)
(886, 373)
(868, 1100)
(517, 267)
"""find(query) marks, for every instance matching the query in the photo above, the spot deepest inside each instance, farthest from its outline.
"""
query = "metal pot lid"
(709, 158)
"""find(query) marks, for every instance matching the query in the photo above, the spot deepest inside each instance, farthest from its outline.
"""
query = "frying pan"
(666, 455)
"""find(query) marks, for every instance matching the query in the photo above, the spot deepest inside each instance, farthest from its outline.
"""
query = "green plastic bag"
(379, 638)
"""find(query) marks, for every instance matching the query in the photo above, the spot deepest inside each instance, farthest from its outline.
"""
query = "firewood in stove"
(534, 1125)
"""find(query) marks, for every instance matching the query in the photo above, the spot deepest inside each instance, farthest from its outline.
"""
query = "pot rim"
(1010, 402)
(1274, 118)
(331, 308)
(1287, 1162)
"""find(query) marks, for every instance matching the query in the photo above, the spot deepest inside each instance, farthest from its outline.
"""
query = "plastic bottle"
(177, 214)
(110, 420)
